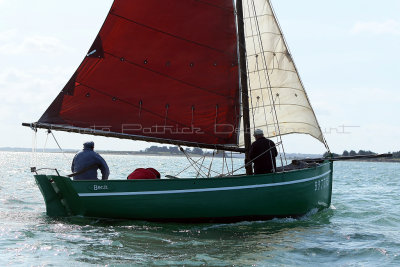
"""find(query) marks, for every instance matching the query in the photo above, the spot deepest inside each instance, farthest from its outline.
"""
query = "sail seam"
(169, 77)
(169, 34)
(146, 110)
(267, 51)
(149, 111)
(261, 33)
(278, 69)
(285, 105)
(278, 87)
(289, 122)
(258, 16)
(214, 5)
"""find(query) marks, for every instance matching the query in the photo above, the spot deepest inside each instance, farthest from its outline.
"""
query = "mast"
(243, 83)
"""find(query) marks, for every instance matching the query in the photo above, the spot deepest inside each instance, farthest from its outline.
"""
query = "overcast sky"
(347, 53)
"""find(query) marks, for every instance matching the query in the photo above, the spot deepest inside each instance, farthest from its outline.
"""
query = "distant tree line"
(198, 151)
(172, 150)
(396, 155)
(359, 153)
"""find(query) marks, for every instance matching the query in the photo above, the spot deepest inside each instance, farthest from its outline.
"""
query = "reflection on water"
(361, 229)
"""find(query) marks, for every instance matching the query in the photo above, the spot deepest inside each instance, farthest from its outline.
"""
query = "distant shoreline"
(289, 156)
(378, 160)
(111, 152)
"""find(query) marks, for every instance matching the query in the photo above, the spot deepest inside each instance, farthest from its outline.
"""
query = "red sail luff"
(158, 68)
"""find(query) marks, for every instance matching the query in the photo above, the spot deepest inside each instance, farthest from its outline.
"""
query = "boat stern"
(52, 199)
(58, 196)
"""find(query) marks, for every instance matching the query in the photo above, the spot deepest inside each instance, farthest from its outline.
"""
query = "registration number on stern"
(321, 184)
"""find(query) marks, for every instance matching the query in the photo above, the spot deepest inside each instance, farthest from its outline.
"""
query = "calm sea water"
(362, 227)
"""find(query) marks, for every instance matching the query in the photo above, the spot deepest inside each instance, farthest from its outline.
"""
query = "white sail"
(278, 102)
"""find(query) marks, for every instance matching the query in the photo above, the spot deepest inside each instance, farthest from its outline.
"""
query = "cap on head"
(258, 132)
(88, 145)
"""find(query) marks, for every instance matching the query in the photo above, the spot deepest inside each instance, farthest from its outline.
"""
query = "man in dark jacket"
(263, 163)
(86, 163)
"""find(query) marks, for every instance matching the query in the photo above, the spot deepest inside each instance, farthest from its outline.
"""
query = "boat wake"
(307, 217)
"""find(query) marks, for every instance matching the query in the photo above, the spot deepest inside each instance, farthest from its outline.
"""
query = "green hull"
(265, 196)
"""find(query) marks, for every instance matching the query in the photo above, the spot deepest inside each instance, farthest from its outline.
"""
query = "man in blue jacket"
(86, 163)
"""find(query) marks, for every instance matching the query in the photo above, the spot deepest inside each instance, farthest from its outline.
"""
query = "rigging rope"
(58, 144)
(194, 165)
(201, 164)
(231, 161)
(259, 79)
(223, 162)
(187, 167)
(212, 159)
(45, 143)
(34, 147)
(268, 81)
(197, 166)
(258, 72)
(226, 164)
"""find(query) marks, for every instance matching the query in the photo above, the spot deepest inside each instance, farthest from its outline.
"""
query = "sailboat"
(203, 74)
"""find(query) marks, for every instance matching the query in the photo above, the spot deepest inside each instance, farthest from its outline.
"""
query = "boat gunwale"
(206, 189)
(233, 177)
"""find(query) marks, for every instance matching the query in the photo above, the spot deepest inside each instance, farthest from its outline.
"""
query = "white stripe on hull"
(181, 191)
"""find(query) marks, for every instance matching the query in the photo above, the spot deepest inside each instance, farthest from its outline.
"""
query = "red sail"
(158, 68)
